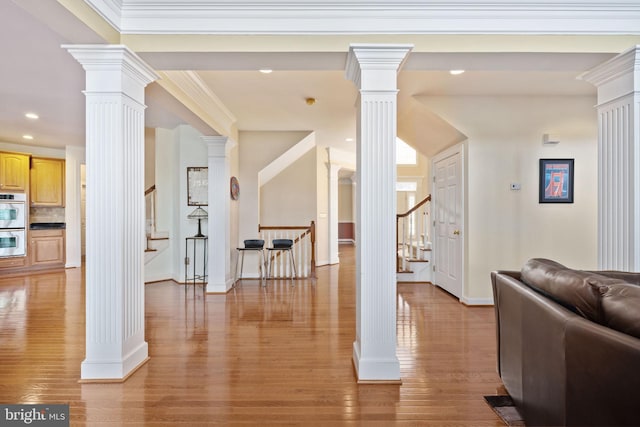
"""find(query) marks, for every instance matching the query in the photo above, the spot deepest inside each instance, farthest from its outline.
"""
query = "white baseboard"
(347, 241)
(476, 301)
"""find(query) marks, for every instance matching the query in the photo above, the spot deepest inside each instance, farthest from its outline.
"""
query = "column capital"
(218, 145)
(616, 77)
(383, 58)
(624, 63)
(98, 57)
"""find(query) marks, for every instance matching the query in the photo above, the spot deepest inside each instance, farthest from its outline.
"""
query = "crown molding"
(191, 90)
(626, 63)
(110, 10)
(371, 17)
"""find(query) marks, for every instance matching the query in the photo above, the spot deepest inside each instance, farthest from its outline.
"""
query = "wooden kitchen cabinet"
(47, 182)
(14, 172)
(46, 248)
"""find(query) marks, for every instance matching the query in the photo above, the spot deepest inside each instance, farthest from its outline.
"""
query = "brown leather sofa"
(569, 344)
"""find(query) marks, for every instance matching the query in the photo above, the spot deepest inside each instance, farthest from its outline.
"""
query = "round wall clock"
(235, 188)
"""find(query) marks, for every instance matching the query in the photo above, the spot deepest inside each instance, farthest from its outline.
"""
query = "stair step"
(151, 250)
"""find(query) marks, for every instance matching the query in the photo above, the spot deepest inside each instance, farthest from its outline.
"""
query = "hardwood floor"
(279, 355)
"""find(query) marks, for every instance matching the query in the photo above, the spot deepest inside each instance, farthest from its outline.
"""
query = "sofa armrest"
(604, 379)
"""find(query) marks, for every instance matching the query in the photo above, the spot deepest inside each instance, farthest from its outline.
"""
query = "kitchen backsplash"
(43, 214)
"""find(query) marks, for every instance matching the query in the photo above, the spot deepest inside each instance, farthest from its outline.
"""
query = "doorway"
(448, 221)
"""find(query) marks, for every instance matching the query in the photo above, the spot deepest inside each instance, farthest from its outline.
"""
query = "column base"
(220, 288)
(374, 370)
(116, 371)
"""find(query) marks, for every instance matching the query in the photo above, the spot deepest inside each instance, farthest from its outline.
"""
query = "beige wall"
(345, 201)
(255, 151)
(290, 197)
(504, 228)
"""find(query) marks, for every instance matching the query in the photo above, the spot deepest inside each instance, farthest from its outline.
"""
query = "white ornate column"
(333, 213)
(219, 221)
(115, 82)
(373, 69)
(618, 83)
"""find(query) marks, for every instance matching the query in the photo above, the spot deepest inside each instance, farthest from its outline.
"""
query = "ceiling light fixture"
(456, 72)
(32, 116)
(266, 71)
(310, 101)
(29, 137)
(349, 139)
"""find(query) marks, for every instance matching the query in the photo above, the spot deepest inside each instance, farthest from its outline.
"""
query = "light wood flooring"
(279, 355)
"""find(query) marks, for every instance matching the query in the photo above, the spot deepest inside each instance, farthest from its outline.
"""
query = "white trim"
(477, 301)
(286, 159)
(215, 113)
(373, 16)
(109, 10)
(457, 148)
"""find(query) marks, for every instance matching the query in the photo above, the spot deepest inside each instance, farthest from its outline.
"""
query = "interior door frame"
(448, 152)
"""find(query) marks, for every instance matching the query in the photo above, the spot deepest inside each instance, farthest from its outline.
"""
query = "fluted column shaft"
(115, 82)
(220, 279)
(618, 83)
(374, 68)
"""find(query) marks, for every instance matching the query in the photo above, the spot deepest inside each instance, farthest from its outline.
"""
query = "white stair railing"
(412, 234)
(303, 250)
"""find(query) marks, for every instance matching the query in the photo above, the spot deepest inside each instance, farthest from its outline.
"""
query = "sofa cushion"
(621, 308)
(579, 291)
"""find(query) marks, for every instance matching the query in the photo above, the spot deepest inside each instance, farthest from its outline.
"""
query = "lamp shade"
(198, 213)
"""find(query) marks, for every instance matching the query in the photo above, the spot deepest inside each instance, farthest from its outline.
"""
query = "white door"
(447, 218)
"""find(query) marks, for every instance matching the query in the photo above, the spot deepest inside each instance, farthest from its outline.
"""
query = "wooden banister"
(150, 190)
(415, 208)
(401, 217)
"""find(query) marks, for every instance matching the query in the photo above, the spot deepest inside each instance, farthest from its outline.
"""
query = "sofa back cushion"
(621, 308)
(579, 291)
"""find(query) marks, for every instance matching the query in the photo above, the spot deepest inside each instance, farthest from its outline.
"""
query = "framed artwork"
(197, 186)
(556, 181)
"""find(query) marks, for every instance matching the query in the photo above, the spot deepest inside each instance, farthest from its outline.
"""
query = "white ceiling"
(37, 75)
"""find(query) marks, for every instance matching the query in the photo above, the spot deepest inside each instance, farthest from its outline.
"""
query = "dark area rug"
(506, 410)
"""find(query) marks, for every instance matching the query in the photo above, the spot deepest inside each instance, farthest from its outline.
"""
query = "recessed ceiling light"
(456, 72)
(32, 116)
(266, 70)
(27, 137)
(349, 139)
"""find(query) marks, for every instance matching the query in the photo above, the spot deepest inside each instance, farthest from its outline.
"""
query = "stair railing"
(150, 201)
(412, 234)
(304, 249)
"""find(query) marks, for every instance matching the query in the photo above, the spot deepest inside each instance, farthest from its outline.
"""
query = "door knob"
(456, 232)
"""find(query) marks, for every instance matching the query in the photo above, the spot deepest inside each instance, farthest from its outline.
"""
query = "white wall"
(176, 150)
(504, 228)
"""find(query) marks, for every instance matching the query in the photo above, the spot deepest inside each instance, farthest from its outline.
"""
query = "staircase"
(413, 261)
(157, 241)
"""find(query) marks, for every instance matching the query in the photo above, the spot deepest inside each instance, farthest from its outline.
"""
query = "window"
(406, 186)
(405, 154)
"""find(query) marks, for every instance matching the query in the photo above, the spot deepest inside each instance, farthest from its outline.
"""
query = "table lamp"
(198, 214)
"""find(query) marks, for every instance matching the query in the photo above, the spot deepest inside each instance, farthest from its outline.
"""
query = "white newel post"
(373, 69)
(333, 213)
(220, 279)
(618, 83)
(115, 82)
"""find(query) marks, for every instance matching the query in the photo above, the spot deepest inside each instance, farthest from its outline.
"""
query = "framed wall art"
(556, 181)
(197, 186)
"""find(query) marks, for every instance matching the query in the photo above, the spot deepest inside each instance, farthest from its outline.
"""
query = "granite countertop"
(47, 225)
